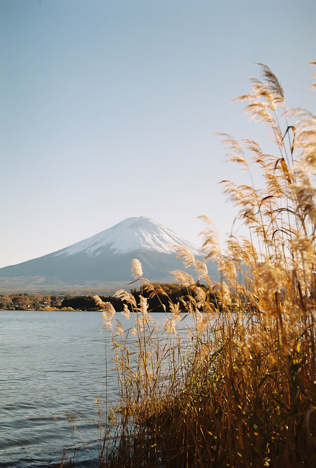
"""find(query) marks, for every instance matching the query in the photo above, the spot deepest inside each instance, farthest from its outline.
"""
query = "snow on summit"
(129, 235)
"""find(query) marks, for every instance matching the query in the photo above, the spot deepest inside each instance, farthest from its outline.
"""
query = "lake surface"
(53, 364)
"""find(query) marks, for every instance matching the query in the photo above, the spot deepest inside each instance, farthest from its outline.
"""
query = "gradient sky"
(109, 108)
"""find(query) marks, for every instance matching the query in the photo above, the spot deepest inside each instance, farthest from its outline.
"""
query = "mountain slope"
(106, 257)
(131, 235)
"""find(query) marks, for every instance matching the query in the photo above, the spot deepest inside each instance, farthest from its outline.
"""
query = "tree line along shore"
(158, 301)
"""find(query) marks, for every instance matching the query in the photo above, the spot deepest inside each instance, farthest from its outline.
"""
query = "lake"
(52, 369)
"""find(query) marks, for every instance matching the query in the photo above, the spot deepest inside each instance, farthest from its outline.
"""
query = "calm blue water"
(53, 364)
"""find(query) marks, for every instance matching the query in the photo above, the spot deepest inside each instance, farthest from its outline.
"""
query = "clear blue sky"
(109, 108)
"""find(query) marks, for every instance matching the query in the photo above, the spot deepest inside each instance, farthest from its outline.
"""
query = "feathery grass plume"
(201, 269)
(108, 309)
(98, 301)
(126, 312)
(200, 296)
(136, 268)
(202, 321)
(175, 310)
(275, 90)
(210, 244)
(107, 322)
(125, 296)
(170, 325)
(108, 312)
(143, 305)
(119, 327)
(183, 277)
(186, 254)
(236, 153)
(154, 289)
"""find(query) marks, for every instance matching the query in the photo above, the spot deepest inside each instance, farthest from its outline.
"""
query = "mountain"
(105, 258)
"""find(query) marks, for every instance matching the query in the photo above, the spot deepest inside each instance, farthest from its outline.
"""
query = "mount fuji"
(105, 258)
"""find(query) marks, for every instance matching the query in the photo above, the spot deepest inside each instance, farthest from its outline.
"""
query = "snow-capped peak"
(129, 235)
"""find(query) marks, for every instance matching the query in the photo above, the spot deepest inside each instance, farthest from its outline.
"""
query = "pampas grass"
(240, 390)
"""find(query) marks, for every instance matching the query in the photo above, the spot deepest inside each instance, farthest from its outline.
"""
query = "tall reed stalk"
(241, 392)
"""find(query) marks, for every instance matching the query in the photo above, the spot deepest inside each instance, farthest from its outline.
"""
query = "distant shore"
(165, 292)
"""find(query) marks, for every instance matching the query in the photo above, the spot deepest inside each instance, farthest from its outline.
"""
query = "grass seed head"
(136, 268)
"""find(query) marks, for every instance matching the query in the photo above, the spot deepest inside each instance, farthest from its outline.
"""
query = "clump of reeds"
(241, 392)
